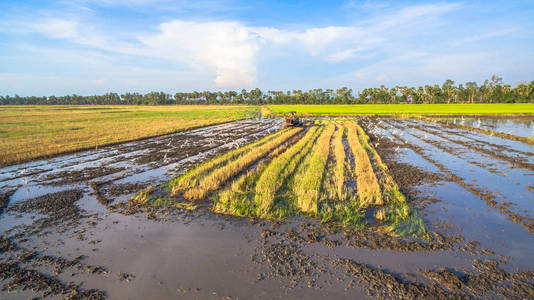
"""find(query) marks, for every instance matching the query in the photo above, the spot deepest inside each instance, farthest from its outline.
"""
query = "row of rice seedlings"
(368, 189)
(338, 203)
(334, 174)
(191, 178)
(238, 200)
(402, 219)
(213, 180)
(340, 167)
(279, 170)
(308, 187)
(390, 190)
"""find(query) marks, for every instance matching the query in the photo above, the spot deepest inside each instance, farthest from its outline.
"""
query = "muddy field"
(69, 231)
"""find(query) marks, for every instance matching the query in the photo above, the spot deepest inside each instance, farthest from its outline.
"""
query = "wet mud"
(4, 199)
(78, 227)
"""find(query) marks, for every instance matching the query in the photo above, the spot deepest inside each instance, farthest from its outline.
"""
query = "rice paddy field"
(363, 206)
(29, 132)
(513, 109)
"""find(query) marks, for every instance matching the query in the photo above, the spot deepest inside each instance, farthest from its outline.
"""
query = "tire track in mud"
(122, 161)
(513, 164)
(487, 196)
(22, 278)
(493, 154)
(446, 149)
(503, 135)
(469, 136)
(456, 152)
(118, 155)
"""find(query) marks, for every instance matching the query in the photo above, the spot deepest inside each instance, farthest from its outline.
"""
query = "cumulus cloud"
(227, 47)
(228, 50)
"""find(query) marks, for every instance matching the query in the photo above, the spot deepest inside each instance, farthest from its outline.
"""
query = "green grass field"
(402, 109)
(29, 132)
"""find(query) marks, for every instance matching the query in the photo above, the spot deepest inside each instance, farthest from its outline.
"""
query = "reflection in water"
(517, 126)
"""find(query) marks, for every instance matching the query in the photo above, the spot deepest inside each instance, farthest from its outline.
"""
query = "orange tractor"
(292, 120)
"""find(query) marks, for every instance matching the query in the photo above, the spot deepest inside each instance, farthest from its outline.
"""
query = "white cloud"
(483, 36)
(227, 51)
(56, 28)
(411, 15)
(227, 47)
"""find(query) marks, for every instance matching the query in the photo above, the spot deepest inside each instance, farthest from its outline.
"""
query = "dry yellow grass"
(29, 132)
(367, 184)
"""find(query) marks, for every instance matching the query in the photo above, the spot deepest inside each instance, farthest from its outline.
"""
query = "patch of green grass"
(404, 109)
(146, 198)
(402, 220)
(346, 213)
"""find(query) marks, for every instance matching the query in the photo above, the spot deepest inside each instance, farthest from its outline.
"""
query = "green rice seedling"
(142, 197)
(308, 186)
(402, 220)
(346, 213)
(191, 178)
(280, 169)
(219, 176)
(337, 203)
(238, 200)
(368, 189)
(145, 198)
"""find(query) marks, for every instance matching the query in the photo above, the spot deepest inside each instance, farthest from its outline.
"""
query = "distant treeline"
(492, 91)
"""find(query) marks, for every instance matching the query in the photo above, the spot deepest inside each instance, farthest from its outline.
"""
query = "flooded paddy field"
(520, 126)
(70, 229)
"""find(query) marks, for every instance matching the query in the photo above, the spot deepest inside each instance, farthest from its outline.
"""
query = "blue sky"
(96, 46)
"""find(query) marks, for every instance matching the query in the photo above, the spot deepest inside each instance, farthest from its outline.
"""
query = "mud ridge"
(486, 196)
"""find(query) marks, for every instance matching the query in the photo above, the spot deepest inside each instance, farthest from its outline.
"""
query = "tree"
(449, 90)
(472, 90)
